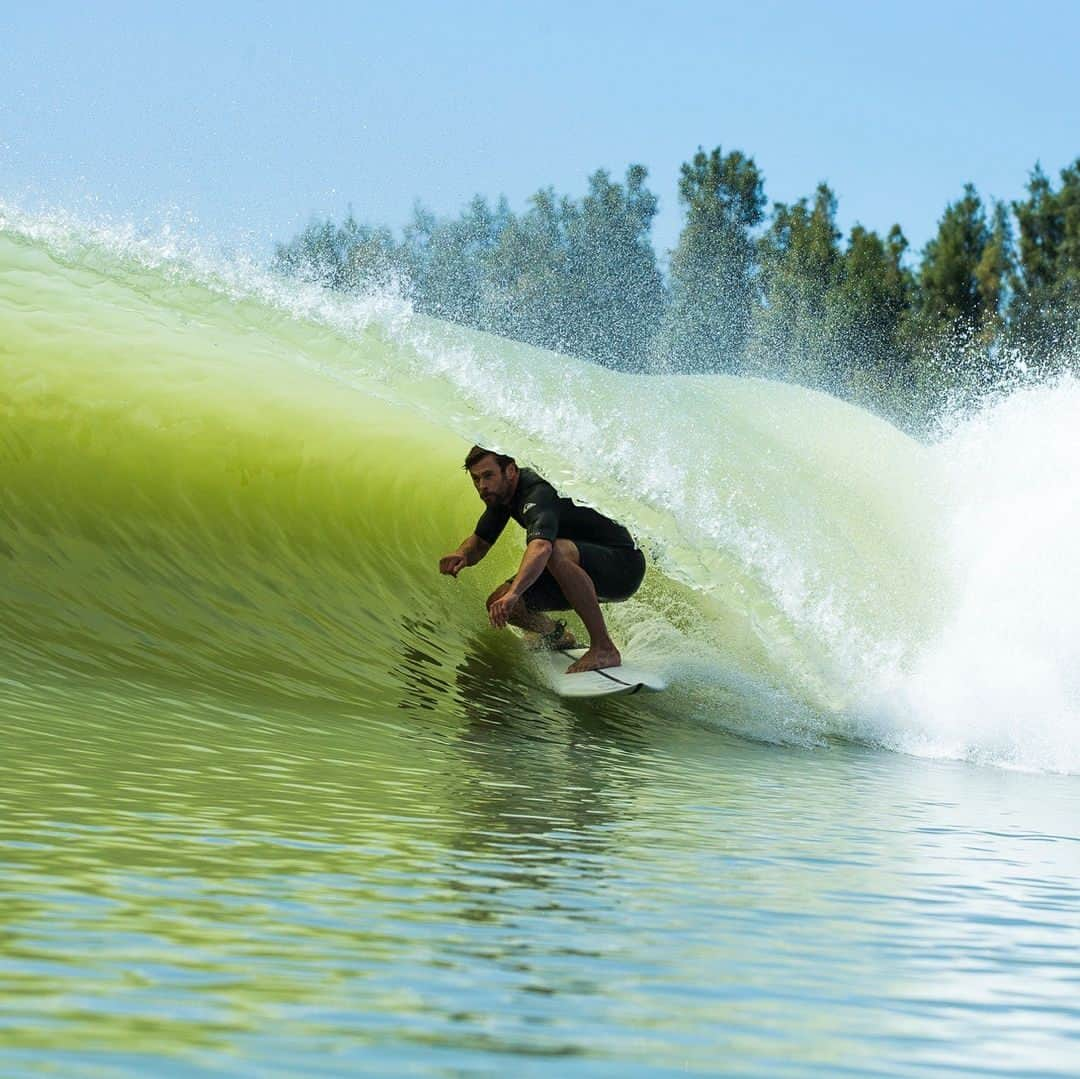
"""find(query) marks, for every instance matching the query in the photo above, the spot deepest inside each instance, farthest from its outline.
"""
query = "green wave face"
(214, 478)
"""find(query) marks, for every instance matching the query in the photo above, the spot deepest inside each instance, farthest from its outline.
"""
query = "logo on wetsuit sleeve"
(528, 506)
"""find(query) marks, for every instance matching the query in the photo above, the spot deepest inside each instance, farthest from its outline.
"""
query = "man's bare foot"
(595, 659)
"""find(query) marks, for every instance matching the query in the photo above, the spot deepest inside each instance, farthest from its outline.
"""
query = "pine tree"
(867, 315)
(961, 290)
(1045, 307)
(963, 266)
(447, 260)
(580, 277)
(525, 288)
(709, 315)
(613, 270)
(801, 263)
(349, 257)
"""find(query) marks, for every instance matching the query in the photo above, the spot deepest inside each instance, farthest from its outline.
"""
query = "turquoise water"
(275, 800)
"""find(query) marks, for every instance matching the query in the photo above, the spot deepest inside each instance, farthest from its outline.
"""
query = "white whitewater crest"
(1000, 682)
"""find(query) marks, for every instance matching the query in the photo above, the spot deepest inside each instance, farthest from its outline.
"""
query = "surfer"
(575, 558)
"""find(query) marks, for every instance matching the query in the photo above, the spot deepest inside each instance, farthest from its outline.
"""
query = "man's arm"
(471, 550)
(533, 562)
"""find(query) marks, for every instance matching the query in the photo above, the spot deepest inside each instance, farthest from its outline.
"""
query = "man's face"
(493, 484)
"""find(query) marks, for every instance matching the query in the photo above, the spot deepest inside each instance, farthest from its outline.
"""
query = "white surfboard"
(627, 678)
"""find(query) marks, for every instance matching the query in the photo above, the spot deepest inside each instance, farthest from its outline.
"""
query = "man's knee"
(564, 552)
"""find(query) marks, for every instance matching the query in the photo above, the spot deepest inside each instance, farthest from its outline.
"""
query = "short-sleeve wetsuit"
(608, 553)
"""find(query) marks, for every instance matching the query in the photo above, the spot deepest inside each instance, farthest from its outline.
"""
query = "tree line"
(994, 295)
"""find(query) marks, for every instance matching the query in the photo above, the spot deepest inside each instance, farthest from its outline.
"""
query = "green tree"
(801, 263)
(709, 315)
(580, 277)
(868, 308)
(963, 268)
(1045, 307)
(349, 257)
(446, 260)
(962, 281)
(613, 271)
(526, 294)
(831, 317)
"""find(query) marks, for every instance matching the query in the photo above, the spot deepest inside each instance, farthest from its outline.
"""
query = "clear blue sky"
(250, 117)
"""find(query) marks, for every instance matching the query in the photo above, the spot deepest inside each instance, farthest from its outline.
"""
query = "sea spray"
(1000, 682)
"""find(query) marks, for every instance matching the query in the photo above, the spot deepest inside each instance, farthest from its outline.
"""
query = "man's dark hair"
(478, 453)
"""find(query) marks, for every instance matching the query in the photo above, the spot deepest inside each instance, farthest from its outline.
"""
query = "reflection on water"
(479, 871)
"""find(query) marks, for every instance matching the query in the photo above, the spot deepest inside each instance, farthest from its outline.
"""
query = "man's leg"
(577, 586)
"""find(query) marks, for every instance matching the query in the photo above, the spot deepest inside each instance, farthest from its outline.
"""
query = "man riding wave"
(575, 558)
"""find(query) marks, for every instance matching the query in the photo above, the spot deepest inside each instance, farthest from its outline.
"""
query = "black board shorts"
(616, 572)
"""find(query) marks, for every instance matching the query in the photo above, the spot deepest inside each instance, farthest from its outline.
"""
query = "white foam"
(1000, 681)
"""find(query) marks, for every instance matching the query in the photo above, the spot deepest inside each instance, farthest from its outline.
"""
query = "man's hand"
(453, 564)
(499, 611)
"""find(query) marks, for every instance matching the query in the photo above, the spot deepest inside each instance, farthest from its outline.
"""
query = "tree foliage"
(801, 263)
(446, 261)
(710, 312)
(349, 257)
(784, 297)
(581, 277)
(964, 267)
(1045, 306)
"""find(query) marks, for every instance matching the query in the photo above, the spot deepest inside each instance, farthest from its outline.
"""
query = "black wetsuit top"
(537, 507)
